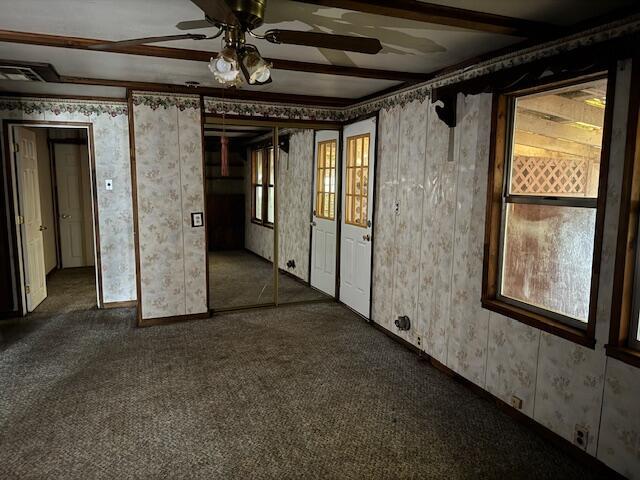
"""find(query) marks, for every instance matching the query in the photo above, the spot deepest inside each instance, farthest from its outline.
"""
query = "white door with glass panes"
(358, 167)
(323, 224)
(35, 275)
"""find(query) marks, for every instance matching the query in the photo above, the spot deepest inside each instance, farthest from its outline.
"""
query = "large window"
(357, 186)
(262, 185)
(326, 180)
(542, 224)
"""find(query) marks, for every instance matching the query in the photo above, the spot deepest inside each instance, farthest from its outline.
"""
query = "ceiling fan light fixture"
(225, 67)
(256, 69)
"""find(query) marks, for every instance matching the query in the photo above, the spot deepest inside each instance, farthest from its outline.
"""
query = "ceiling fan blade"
(217, 10)
(325, 40)
(142, 41)
(194, 24)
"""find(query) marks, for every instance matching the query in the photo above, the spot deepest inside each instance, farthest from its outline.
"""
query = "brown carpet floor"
(299, 392)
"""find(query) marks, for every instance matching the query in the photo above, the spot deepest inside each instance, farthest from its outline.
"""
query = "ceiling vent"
(27, 71)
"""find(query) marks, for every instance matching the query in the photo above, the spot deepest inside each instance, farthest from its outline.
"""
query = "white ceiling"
(408, 45)
(557, 12)
(117, 66)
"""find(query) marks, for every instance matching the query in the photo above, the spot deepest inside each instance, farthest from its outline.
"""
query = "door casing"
(9, 173)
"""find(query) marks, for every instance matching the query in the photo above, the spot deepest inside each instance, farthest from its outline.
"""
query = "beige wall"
(170, 186)
(294, 183)
(111, 143)
(428, 265)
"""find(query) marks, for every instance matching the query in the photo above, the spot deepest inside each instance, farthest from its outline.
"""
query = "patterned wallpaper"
(257, 238)
(168, 149)
(428, 265)
(111, 143)
(295, 179)
(294, 182)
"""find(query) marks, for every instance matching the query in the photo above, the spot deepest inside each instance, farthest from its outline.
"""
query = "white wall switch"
(108, 184)
(197, 219)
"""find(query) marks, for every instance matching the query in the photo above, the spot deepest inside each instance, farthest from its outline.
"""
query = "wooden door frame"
(8, 174)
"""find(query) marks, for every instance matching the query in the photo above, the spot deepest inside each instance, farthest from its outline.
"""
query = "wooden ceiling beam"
(79, 43)
(444, 15)
(227, 93)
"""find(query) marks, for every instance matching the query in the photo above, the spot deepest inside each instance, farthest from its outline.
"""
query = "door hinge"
(27, 289)
(15, 147)
(19, 220)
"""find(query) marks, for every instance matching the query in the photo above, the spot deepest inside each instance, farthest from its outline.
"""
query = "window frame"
(266, 158)
(625, 308)
(333, 144)
(499, 197)
(347, 202)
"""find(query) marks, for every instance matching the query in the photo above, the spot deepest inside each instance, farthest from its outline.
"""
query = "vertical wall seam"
(184, 266)
(456, 148)
(535, 387)
(395, 216)
(421, 223)
(604, 383)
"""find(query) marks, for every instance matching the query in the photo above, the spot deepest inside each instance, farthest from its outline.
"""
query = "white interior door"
(358, 167)
(31, 232)
(324, 223)
(71, 205)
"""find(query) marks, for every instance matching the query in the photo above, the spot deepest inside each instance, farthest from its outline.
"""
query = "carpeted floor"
(307, 392)
(238, 278)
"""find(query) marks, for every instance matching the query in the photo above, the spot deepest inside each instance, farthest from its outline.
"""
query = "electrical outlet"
(516, 402)
(581, 436)
(419, 341)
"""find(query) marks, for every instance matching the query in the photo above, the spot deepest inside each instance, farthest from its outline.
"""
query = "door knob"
(64, 217)
(366, 237)
(313, 224)
(42, 227)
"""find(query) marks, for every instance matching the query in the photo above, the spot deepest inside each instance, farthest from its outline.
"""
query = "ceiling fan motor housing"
(250, 13)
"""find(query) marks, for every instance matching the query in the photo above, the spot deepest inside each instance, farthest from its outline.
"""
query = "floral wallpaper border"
(422, 91)
(31, 105)
(154, 102)
(273, 110)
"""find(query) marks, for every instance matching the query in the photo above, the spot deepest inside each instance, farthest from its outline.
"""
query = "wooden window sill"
(624, 354)
(549, 325)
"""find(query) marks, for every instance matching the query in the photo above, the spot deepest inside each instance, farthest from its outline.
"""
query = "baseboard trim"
(549, 435)
(125, 304)
(293, 276)
(152, 322)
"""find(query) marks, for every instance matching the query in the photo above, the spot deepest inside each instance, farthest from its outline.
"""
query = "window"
(356, 208)
(624, 334)
(543, 234)
(326, 180)
(262, 184)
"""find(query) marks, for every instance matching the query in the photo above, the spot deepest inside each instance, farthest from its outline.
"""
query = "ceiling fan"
(236, 18)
